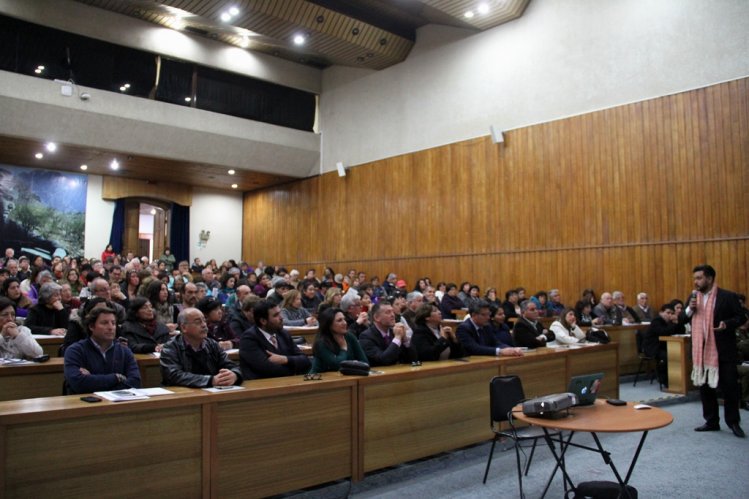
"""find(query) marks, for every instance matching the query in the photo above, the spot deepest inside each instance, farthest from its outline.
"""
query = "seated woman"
(12, 291)
(292, 311)
(228, 288)
(332, 299)
(511, 305)
(72, 278)
(566, 329)
(130, 285)
(541, 299)
(431, 341)
(69, 301)
(499, 327)
(35, 282)
(143, 332)
(473, 296)
(218, 325)
(491, 298)
(48, 316)
(333, 343)
(158, 294)
(584, 314)
(16, 342)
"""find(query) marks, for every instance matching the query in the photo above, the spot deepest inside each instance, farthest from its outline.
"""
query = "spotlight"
(51, 146)
(38, 155)
(299, 40)
(226, 17)
(114, 165)
(231, 172)
(84, 167)
(234, 186)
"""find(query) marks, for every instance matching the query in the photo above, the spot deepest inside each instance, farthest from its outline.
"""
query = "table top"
(603, 418)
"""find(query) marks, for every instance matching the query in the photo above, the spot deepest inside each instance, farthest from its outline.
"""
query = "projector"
(549, 406)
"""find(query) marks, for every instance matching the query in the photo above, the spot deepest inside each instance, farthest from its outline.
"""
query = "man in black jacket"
(663, 325)
(528, 332)
(385, 342)
(192, 359)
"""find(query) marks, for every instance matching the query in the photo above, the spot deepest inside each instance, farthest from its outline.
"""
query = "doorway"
(146, 227)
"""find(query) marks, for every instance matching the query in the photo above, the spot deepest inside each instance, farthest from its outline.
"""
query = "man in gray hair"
(414, 300)
(357, 321)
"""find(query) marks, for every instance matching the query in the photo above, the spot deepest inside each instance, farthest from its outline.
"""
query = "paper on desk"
(152, 392)
(219, 389)
(14, 362)
(121, 395)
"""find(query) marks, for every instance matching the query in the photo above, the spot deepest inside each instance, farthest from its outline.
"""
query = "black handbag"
(597, 336)
(354, 368)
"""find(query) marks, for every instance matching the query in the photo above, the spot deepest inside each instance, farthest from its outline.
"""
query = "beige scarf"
(704, 350)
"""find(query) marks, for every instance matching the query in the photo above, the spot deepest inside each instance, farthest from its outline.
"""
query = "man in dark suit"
(386, 342)
(476, 337)
(528, 332)
(715, 314)
(266, 350)
(663, 325)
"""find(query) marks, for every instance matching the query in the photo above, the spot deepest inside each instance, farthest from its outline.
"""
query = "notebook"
(586, 388)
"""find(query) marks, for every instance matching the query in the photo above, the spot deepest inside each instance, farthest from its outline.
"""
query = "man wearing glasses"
(194, 360)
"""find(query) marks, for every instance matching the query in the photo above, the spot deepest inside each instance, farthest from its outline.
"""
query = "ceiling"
(370, 34)
(21, 152)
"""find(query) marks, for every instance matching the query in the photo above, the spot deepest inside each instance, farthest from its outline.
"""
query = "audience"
(192, 359)
(217, 324)
(450, 301)
(528, 332)
(643, 312)
(143, 332)
(292, 311)
(386, 342)
(12, 290)
(565, 329)
(48, 316)
(607, 311)
(431, 340)
(476, 336)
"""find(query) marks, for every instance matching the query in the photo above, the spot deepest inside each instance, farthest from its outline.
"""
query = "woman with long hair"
(292, 311)
(130, 284)
(333, 343)
(12, 290)
(158, 294)
(565, 328)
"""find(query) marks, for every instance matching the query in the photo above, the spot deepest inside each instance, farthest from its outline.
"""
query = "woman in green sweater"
(333, 343)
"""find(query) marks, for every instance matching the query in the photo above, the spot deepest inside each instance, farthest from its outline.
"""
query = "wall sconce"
(203, 237)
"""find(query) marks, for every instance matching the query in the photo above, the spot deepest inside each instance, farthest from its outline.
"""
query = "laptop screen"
(586, 387)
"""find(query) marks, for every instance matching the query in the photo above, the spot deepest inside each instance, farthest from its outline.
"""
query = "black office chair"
(649, 362)
(505, 392)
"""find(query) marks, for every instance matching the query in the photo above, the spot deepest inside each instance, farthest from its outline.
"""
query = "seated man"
(356, 320)
(192, 359)
(386, 342)
(663, 325)
(642, 310)
(555, 305)
(99, 363)
(528, 332)
(414, 299)
(266, 350)
(476, 336)
(628, 314)
(607, 311)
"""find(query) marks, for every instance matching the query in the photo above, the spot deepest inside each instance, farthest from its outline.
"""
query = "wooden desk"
(679, 354)
(307, 332)
(629, 361)
(50, 343)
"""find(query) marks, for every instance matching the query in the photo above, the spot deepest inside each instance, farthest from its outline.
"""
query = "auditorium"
(506, 144)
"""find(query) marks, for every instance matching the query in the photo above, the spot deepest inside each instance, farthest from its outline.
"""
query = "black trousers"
(728, 383)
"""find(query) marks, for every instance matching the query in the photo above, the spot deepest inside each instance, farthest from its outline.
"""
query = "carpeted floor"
(675, 462)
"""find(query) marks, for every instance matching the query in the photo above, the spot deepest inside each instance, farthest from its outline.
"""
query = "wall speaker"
(341, 169)
(497, 135)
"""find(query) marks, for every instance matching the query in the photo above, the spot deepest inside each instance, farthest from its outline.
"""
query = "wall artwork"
(42, 211)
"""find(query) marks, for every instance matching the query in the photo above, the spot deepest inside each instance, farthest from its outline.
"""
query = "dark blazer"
(727, 309)
(381, 355)
(651, 336)
(502, 334)
(479, 341)
(509, 309)
(450, 303)
(253, 356)
(525, 334)
(429, 347)
(176, 366)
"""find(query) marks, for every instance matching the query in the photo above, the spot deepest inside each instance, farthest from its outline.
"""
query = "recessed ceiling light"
(38, 71)
(226, 17)
(233, 11)
(234, 186)
(188, 99)
(483, 8)
(299, 39)
(123, 89)
(40, 67)
(51, 146)
(114, 165)
(126, 85)
(38, 155)
(468, 14)
(84, 167)
(153, 211)
(231, 172)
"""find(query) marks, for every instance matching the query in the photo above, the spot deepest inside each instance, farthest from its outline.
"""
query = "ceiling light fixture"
(38, 155)
(114, 165)
(299, 39)
(468, 14)
(188, 99)
(51, 146)
(233, 11)
(84, 167)
(231, 172)
(483, 8)
(234, 186)
(153, 211)
(226, 17)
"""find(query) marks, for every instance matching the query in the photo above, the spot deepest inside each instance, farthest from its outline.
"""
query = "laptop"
(586, 388)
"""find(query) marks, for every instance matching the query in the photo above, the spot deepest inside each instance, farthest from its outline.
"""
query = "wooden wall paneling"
(630, 198)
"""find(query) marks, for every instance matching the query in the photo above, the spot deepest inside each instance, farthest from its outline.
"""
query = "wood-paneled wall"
(628, 198)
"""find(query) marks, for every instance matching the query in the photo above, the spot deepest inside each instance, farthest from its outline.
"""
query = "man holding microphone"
(714, 314)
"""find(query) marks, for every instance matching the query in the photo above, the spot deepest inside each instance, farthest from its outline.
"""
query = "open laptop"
(586, 388)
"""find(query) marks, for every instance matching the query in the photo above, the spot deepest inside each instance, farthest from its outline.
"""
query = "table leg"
(607, 459)
(559, 459)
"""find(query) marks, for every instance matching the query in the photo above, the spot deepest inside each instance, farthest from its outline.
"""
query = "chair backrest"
(505, 392)
(638, 340)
